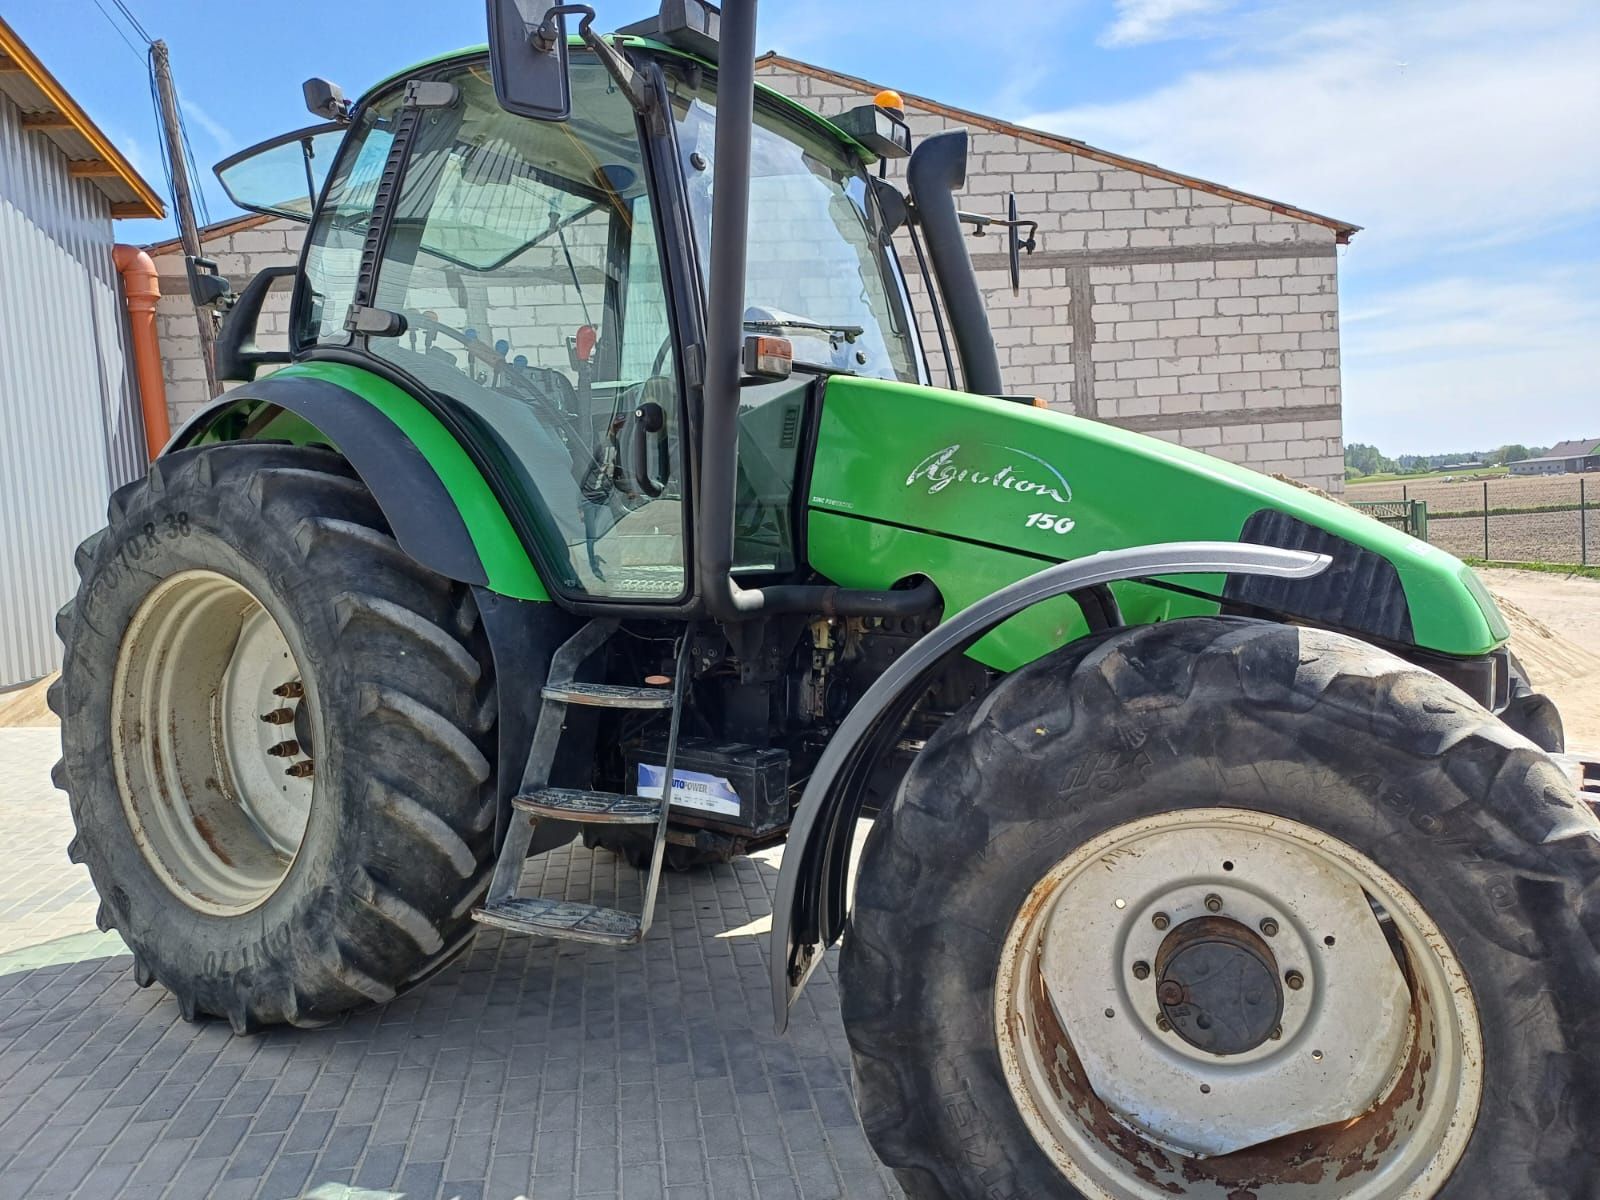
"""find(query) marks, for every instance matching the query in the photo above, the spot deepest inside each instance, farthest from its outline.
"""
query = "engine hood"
(976, 492)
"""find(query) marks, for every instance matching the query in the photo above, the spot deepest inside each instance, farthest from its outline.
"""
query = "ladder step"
(599, 808)
(561, 919)
(609, 695)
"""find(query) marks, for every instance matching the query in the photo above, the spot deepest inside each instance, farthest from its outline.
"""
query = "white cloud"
(1141, 21)
(1465, 137)
(1460, 124)
(1473, 361)
(214, 129)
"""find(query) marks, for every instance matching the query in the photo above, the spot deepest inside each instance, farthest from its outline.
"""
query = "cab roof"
(635, 42)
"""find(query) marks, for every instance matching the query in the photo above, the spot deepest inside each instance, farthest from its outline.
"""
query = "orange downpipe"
(142, 288)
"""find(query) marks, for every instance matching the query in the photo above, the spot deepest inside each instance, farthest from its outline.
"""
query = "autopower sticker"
(691, 789)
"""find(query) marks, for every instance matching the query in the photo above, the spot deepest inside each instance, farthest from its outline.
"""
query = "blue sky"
(1464, 135)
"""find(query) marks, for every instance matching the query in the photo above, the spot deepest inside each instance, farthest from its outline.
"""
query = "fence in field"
(1553, 519)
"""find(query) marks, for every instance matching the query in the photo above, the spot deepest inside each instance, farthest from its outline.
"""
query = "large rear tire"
(1329, 829)
(278, 735)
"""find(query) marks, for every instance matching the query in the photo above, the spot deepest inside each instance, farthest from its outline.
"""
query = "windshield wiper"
(836, 333)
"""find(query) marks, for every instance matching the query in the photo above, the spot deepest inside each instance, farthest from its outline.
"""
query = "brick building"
(1156, 301)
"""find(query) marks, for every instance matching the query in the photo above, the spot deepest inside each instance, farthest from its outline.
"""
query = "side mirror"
(208, 288)
(238, 356)
(892, 205)
(528, 57)
(325, 99)
(1016, 243)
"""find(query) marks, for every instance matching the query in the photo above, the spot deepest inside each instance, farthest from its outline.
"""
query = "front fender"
(438, 504)
(809, 911)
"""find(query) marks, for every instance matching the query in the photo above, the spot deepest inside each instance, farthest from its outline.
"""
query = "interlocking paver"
(524, 1068)
(42, 897)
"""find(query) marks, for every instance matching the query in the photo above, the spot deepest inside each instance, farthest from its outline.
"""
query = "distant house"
(1580, 455)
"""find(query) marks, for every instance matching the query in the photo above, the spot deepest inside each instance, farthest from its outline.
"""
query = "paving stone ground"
(525, 1068)
(42, 896)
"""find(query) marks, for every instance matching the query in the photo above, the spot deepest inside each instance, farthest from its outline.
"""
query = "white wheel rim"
(213, 726)
(1376, 1069)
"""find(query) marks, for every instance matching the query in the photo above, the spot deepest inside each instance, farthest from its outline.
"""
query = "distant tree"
(1368, 460)
(1510, 454)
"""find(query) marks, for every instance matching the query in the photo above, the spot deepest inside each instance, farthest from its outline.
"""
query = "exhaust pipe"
(938, 169)
(724, 599)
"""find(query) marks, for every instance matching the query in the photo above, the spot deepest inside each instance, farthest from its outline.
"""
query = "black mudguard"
(414, 500)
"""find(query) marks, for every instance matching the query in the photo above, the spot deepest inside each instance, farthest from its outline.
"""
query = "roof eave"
(145, 203)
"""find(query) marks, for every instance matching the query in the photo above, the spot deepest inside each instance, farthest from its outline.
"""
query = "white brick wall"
(238, 255)
(1212, 320)
(1213, 323)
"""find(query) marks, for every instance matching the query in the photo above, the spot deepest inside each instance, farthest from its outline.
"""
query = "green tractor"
(603, 493)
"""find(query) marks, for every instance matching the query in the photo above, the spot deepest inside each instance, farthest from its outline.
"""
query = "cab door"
(525, 262)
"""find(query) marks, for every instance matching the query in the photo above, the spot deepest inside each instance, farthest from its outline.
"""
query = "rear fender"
(810, 908)
(442, 510)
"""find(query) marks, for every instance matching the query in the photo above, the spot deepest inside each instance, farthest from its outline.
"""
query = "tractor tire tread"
(1518, 804)
(409, 850)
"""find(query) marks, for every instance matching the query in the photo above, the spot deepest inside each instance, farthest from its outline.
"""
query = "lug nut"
(302, 770)
(278, 716)
(1295, 980)
(1277, 1034)
(1213, 903)
(292, 690)
(284, 749)
(1170, 992)
(1161, 920)
(1141, 970)
(1163, 1024)
(1269, 927)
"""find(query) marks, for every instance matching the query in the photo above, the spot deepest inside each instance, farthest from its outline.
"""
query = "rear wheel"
(277, 733)
(1222, 909)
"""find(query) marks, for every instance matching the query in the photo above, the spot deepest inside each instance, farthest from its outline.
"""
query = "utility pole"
(182, 197)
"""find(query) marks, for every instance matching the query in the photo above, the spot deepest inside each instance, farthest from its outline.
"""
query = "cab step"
(596, 808)
(562, 919)
(537, 800)
(608, 695)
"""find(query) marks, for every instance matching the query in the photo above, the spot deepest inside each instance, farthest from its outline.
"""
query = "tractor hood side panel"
(976, 492)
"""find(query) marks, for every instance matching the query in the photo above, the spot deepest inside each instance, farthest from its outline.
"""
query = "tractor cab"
(543, 282)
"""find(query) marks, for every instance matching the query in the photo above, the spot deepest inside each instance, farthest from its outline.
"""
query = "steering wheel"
(543, 384)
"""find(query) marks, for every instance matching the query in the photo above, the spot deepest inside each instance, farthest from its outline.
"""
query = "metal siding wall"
(63, 394)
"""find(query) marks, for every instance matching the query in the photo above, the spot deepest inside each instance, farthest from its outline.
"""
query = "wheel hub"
(1217, 985)
(213, 766)
(1223, 1002)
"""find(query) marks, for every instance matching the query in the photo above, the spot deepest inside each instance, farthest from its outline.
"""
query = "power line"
(111, 21)
(134, 21)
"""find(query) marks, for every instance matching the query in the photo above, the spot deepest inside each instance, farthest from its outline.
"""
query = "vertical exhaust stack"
(721, 594)
(730, 223)
(938, 168)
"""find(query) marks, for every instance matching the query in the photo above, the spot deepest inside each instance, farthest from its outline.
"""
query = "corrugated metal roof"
(47, 111)
(1577, 448)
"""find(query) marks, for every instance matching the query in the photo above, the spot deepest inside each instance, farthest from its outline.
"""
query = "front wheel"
(1223, 909)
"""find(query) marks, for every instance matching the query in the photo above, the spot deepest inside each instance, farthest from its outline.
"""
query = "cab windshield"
(820, 270)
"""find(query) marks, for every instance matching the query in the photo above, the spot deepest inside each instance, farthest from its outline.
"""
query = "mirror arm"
(619, 68)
